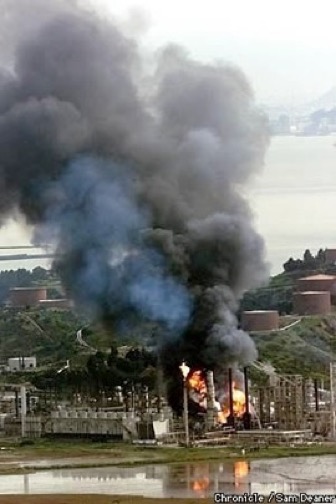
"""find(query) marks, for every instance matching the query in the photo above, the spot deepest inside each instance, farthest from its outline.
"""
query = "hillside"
(49, 335)
(306, 348)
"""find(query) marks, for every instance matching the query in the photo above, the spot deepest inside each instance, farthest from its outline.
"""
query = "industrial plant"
(286, 410)
(208, 407)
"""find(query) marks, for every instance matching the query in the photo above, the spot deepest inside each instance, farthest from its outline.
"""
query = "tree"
(309, 260)
(112, 357)
(96, 364)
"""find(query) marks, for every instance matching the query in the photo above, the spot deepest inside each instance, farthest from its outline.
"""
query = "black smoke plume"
(135, 177)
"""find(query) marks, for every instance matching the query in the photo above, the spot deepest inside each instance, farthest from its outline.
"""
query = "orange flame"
(238, 399)
(197, 383)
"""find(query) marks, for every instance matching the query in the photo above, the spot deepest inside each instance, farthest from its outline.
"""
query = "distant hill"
(51, 336)
(326, 101)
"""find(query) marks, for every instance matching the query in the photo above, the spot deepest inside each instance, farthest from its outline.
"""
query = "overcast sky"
(287, 48)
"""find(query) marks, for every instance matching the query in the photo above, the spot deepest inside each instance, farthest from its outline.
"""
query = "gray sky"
(286, 48)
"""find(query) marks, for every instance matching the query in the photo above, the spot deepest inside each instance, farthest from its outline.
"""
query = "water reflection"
(241, 470)
(200, 480)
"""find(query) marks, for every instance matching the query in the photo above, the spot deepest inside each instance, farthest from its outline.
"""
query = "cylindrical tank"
(317, 283)
(260, 320)
(312, 303)
(27, 296)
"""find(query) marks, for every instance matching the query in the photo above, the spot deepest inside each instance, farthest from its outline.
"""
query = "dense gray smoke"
(136, 178)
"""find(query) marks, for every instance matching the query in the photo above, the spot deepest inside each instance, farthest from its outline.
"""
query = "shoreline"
(45, 456)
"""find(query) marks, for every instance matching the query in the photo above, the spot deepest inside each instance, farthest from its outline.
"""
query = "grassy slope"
(306, 348)
(89, 454)
(50, 335)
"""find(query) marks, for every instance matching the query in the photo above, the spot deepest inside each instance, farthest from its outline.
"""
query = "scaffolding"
(284, 402)
(289, 402)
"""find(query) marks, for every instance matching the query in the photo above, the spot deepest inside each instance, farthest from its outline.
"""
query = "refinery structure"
(287, 409)
(211, 410)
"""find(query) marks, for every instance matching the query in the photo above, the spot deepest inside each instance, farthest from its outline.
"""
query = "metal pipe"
(247, 415)
(247, 400)
(23, 410)
(231, 416)
(146, 397)
(185, 411)
(17, 409)
(28, 402)
(317, 401)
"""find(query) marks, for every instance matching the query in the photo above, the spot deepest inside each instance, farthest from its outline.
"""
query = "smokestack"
(316, 394)
(23, 410)
(17, 407)
(210, 399)
(146, 398)
(231, 419)
(247, 414)
(28, 402)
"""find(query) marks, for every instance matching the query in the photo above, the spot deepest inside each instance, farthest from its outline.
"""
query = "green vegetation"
(305, 348)
(49, 335)
(90, 454)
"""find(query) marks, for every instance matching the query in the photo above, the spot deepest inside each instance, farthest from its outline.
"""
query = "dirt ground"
(93, 499)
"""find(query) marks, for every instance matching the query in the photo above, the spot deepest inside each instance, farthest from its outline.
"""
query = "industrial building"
(260, 320)
(21, 363)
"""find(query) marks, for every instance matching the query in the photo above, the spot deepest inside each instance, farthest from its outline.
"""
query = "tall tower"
(210, 400)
